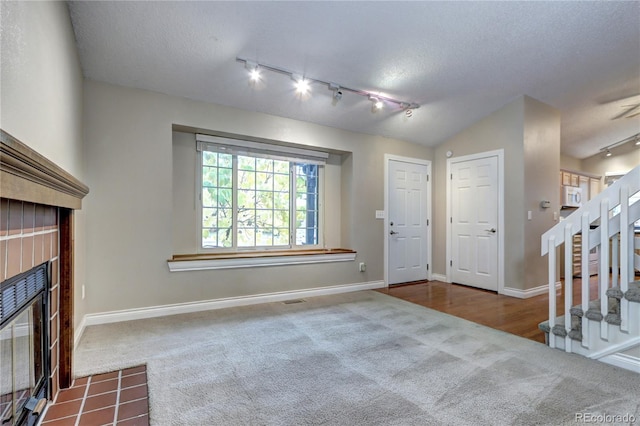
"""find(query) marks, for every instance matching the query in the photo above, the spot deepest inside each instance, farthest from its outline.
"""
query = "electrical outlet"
(362, 267)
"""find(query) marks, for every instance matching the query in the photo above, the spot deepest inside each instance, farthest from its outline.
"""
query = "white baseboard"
(627, 362)
(620, 347)
(525, 294)
(439, 277)
(78, 332)
(229, 302)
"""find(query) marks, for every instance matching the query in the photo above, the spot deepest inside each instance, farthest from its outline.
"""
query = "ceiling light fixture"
(301, 84)
(633, 138)
(338, 89)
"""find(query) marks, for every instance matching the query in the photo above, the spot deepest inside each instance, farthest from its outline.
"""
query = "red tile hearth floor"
(119, 398)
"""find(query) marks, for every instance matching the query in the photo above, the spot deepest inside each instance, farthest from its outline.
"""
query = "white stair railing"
(620, 228)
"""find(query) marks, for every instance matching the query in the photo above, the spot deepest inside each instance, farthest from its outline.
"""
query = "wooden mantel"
(26, 175)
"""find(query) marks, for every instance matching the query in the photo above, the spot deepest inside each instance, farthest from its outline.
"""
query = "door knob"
(492, 230)
(393, 233)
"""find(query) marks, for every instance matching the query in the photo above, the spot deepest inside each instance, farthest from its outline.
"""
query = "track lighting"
(633, 138)
(303, 86)
(254, 71)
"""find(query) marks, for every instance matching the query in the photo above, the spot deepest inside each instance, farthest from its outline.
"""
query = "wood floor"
(517, 316)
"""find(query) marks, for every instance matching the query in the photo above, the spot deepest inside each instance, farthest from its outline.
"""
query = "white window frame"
(293, 155)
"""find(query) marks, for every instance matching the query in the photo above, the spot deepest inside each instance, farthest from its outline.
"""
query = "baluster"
(603, 275)
(585, 278)
(614, 260)
(552, 290)
(568, 284)
(626, 255)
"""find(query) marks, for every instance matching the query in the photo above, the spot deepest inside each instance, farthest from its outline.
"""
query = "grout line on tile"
(115, 412)
(86, 392)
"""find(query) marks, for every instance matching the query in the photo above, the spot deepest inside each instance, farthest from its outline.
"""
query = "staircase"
(605, 325)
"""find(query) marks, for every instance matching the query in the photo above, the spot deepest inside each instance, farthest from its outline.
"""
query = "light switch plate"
(379, 214)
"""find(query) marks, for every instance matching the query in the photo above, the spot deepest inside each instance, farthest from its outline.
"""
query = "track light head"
(337, 93)
(254, 71)
(302, 86)
(608, 154)
(377, 103)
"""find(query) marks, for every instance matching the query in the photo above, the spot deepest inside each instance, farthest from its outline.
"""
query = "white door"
(474, 222)
(407, 221)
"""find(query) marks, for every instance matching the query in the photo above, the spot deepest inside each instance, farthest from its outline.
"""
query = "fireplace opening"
(24, 358)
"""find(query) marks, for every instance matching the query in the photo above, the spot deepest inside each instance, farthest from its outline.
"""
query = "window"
(257, 198)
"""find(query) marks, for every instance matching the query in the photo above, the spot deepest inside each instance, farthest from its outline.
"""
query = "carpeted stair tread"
(613, 318)
(615, 293)
(633, 293)
(575, 335)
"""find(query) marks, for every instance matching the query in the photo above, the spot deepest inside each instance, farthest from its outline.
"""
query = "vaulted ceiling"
(459, 60)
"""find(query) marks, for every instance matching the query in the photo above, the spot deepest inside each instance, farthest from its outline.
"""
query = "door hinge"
(451, 177)
(427, 178)
(427, 266)
(451, 220)
(451, 263)
(427, 222)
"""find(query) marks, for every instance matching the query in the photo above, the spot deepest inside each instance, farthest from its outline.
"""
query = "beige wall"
(528, 132)
(570, 163)
(41, 95)
(541, 165)
(129, 150)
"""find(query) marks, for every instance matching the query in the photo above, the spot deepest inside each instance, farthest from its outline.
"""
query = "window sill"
(200, 262)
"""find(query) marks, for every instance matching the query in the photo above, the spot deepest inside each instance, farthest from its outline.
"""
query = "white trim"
(78, 332)
(525, 294)
(609, 350)
(320, 157)
(439, 277)
(229, 302)
(387, 159)
(501, 204)
(627, 362)
(254, 262)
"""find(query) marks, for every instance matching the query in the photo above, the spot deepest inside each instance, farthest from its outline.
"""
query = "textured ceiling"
(460, 60)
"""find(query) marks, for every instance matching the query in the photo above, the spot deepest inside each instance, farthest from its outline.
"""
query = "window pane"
(281, 237)
(209, 238)
(224, 178)
(209, 158)
(209, 176)
(246, 199)
(281, 166)
(281, 200)
(264, 218)
(246, 163)
(264, 200)
(264, 165)
(246, 180)
(306, 236)
(225, 218)
(264, 181)
(225, 238)
(225, 160)
(225, 198)
(281, 218)
(264, 237)
(281, 183)
(246, 218)
(209, 218)
(210, 197)
(246, 237)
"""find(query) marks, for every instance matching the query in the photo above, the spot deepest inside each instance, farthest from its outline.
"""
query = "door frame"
(388, 158)
(501, 230)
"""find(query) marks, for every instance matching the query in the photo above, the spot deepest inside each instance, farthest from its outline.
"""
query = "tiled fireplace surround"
(29, 237)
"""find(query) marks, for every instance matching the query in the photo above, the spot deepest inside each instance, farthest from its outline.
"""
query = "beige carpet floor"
(362, 358)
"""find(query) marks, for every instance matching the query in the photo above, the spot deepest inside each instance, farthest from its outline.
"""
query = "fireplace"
(36, 234)
(24, 343)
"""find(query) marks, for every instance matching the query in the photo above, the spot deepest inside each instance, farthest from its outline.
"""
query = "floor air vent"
(291, 302)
